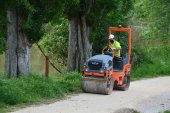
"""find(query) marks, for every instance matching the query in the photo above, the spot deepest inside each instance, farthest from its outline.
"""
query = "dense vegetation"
(156, 63)
(150, 22)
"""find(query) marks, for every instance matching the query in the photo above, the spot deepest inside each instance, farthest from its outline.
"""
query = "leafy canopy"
(154, 17)
(33, 13)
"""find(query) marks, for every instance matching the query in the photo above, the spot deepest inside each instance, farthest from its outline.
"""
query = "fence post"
(46, 66)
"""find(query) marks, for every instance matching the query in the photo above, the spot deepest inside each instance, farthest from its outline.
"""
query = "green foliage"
(154, 18)
(72, 7)
(168, 111)
(34, 88)
(150, 56)
(158, 64)
(55, 40)
(112, 15)
(140, 56)
(39, 13)
(2, 44)
(33, 13)
(3, 30)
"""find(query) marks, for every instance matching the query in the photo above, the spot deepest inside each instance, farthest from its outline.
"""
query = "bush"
(140, 55)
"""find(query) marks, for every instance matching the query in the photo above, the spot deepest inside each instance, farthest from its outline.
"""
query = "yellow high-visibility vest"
(116, 45)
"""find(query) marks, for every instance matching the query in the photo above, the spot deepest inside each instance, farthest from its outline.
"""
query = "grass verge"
(35, 88)
(151, 62)
(168, 111)
(150, 71)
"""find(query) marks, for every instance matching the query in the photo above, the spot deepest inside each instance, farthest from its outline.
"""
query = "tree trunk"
(72, 47)
(18, 47)
(11, 56)
(79, 49)
(23, 50)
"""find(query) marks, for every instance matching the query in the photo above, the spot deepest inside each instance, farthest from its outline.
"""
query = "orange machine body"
(117, 75)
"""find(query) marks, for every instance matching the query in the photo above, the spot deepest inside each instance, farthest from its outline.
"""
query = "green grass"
(35, 88)
(154, 62)
(168, 111)
(149, 71)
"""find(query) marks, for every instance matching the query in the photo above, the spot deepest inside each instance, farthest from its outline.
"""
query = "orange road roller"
(102, 73)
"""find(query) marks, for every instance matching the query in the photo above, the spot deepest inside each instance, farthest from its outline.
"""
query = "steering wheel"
(108, 49)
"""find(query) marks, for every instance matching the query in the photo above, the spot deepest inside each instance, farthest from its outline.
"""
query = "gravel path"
(145, 96)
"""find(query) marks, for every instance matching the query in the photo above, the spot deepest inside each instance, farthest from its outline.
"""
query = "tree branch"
(49, 60)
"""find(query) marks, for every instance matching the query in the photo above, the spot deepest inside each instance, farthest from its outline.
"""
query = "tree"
(55, 42)
(151, 27)
(84, 16)
(25, 19)
(154, 18)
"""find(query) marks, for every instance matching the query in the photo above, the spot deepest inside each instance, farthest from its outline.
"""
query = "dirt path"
(146, 96)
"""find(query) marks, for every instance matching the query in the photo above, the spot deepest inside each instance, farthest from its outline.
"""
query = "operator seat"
(118, 63)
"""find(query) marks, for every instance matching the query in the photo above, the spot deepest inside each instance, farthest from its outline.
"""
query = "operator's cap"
(111, 37)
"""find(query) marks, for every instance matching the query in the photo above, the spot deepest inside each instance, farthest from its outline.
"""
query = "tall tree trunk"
(11, 56)
(23, 50)
(18, 47)
(79, 49)
(72, 47)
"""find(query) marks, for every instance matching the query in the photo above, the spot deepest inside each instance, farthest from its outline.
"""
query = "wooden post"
(46, 66)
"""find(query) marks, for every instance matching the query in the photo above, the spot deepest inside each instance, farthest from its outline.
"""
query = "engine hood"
(106, 60)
